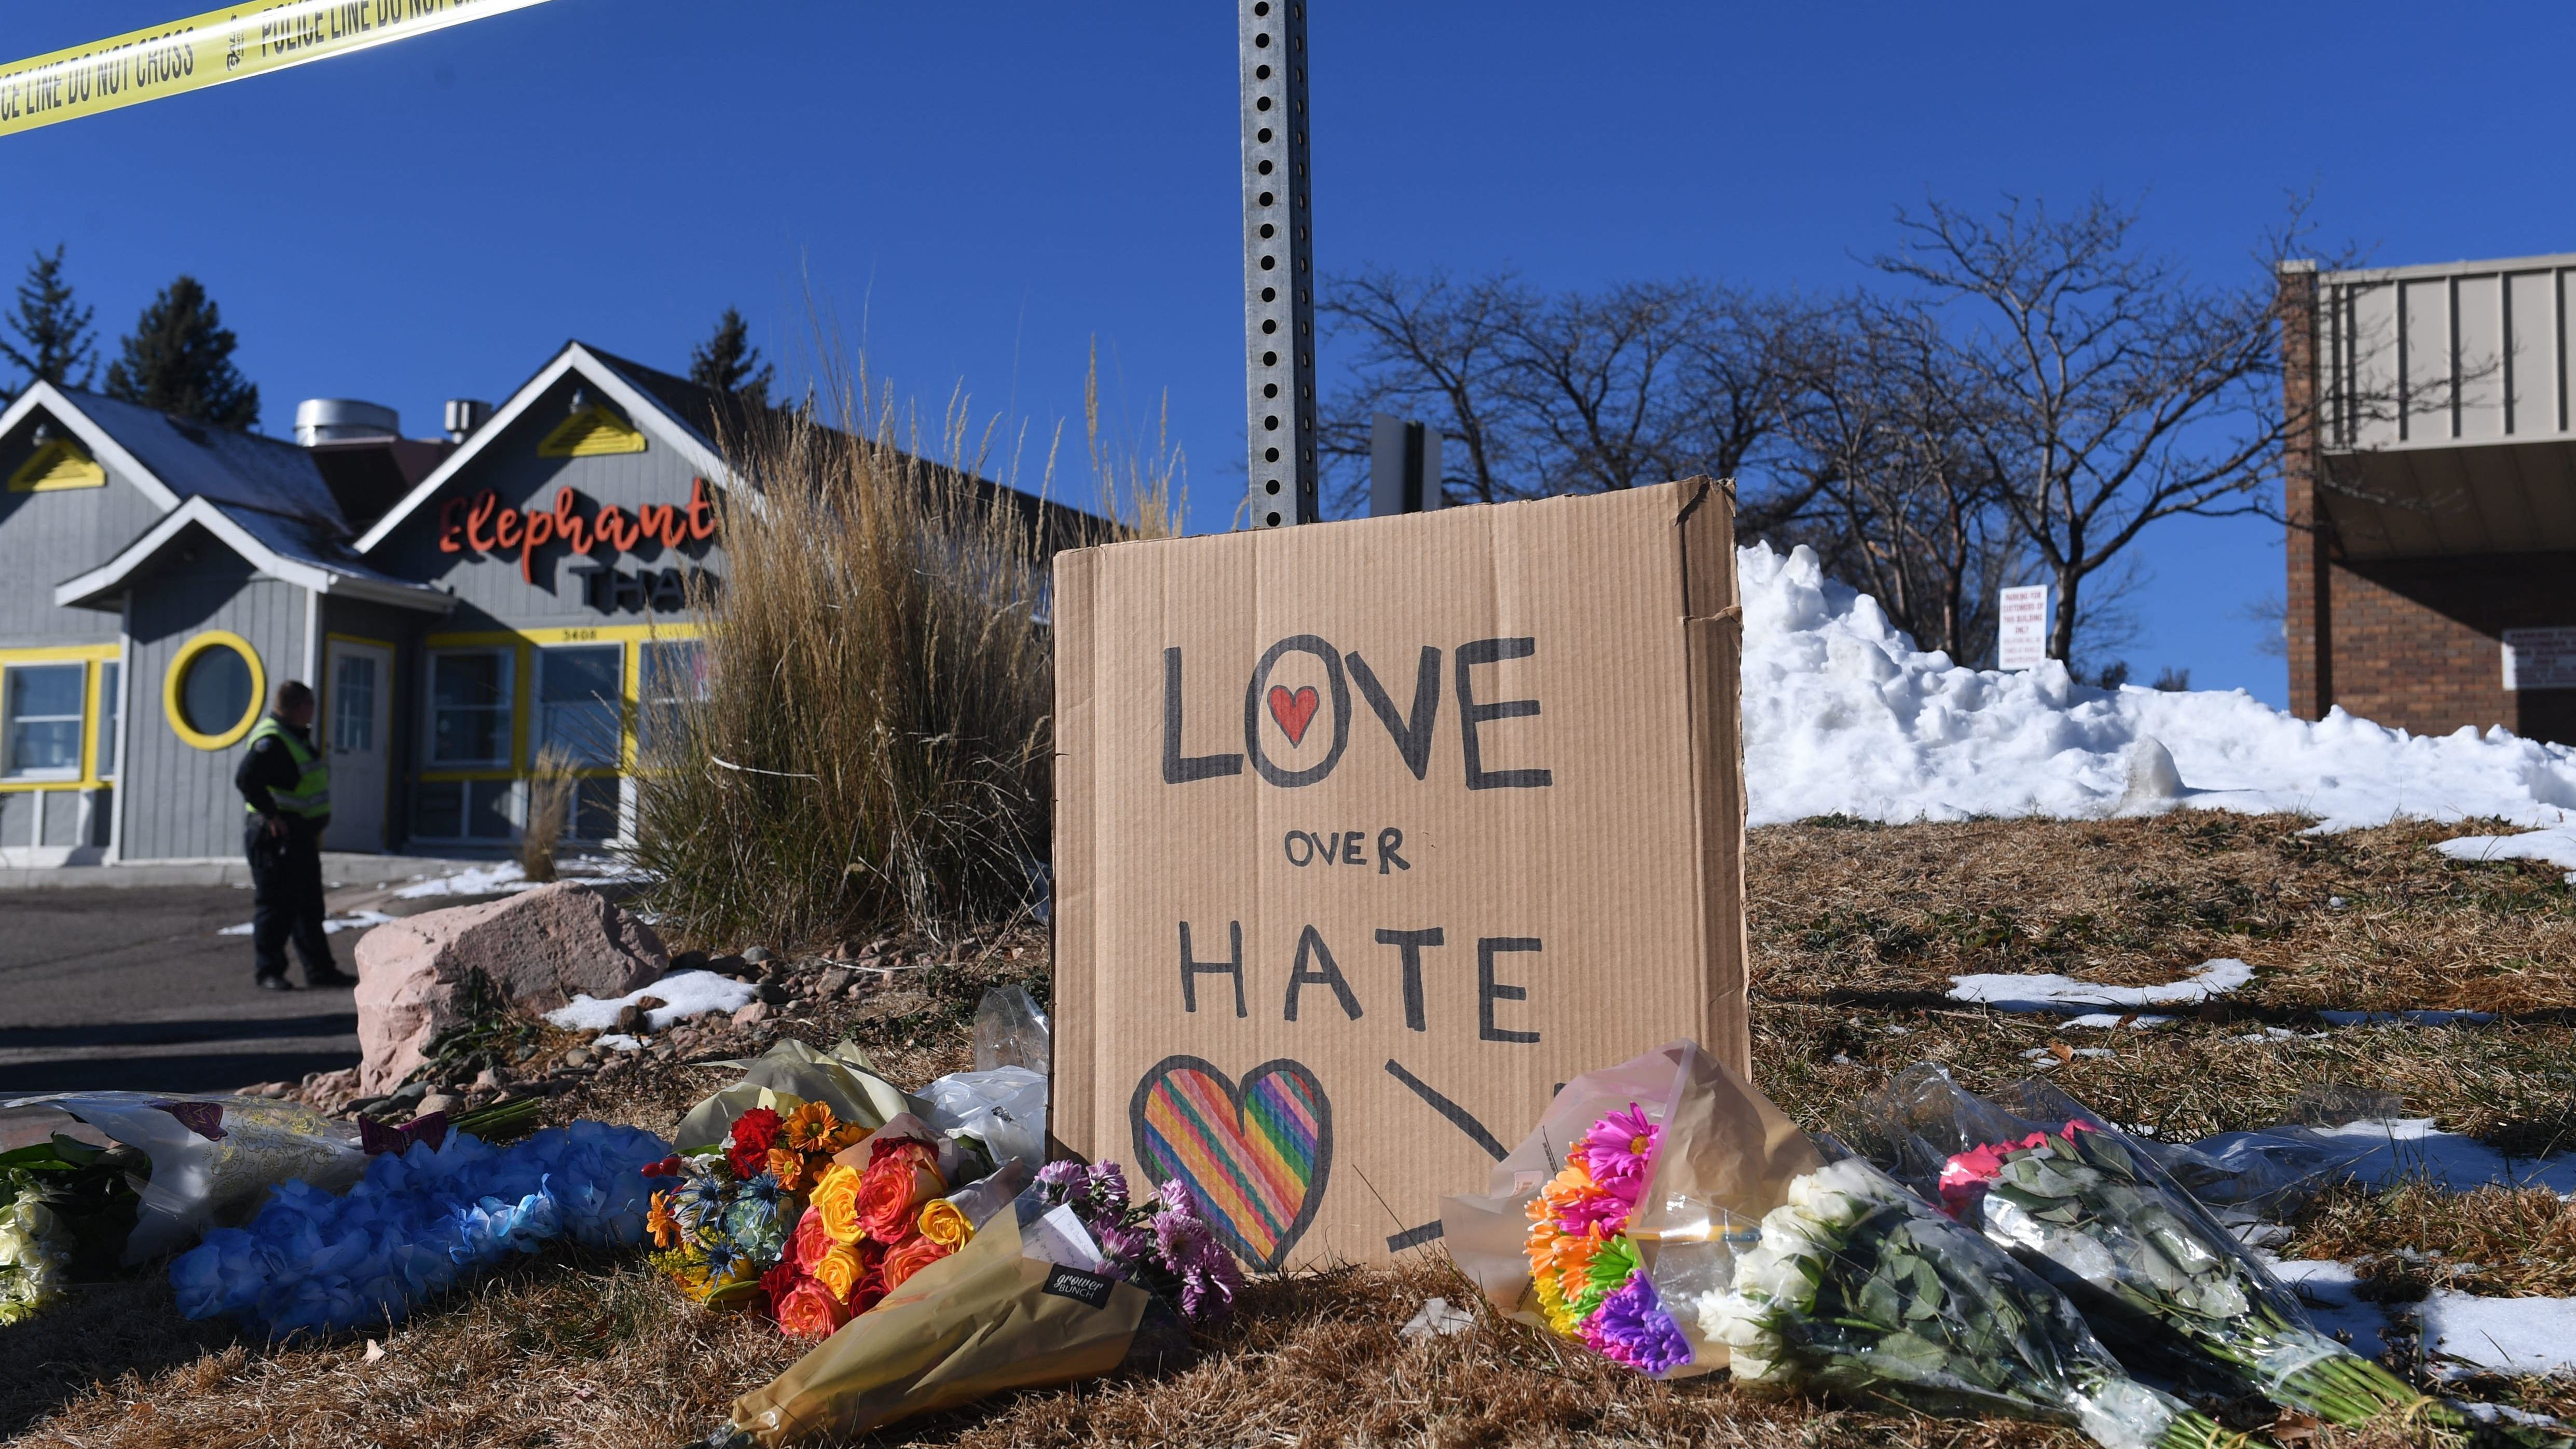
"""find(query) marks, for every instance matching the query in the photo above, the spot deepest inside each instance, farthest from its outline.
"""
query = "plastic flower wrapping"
(417, 1223)
(2083, 1206)
(1859, 1287)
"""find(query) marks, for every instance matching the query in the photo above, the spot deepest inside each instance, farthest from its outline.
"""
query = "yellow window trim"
(523, 644)
(61, 653)
(594, 432)
(57, 465)
(94, 706)
(174, 678)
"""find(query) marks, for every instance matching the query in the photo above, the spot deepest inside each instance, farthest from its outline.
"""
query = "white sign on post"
(2021, 628)
(2540, 658)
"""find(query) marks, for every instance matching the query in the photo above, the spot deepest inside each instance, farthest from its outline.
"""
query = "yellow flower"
(836, 1197)
(942, 1223)
(839, 1270)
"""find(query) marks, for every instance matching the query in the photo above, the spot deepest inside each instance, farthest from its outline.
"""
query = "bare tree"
(1539, 395)
(2106, 391)
(1430, 345)
(1904, 504)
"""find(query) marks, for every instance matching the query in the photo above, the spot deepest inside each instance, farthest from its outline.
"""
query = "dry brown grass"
(1855, 933)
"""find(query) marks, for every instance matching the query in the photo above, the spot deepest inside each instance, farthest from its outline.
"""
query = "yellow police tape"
(210, 49)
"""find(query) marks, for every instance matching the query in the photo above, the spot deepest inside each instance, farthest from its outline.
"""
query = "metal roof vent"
(464, 415)
(343, 420)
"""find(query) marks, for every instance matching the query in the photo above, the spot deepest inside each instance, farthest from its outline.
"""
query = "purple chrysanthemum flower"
(1208, 1273)
(1631, 1327)
(1109, 1187)
(1058, 1180)
(1618, 1150)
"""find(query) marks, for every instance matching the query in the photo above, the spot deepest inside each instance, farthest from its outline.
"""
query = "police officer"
(286, 783)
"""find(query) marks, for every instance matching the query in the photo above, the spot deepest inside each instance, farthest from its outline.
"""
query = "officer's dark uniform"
(282, 777)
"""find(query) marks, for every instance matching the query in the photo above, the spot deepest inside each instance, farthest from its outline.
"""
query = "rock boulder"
(539, 949)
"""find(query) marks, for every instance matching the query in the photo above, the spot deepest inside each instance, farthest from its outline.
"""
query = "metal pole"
(1278, 265)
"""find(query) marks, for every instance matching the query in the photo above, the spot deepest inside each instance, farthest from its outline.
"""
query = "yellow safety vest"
(311, 797)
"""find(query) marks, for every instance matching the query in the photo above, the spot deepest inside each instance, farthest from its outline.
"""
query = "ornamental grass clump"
(871, 746)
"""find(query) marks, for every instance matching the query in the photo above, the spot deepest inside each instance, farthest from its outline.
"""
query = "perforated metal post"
(1278, 265)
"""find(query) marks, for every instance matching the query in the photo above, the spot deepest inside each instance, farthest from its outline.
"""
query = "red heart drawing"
(1293, 711)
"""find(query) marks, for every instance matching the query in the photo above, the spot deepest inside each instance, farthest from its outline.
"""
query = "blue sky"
(986, 190)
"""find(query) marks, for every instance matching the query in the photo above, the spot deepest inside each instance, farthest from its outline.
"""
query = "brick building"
(2432, 495)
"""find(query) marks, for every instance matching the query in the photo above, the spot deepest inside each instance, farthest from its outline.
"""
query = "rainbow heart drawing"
(1255, 1156)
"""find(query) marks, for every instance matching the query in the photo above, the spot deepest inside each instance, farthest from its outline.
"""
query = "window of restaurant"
(471, 694)
(40, 721)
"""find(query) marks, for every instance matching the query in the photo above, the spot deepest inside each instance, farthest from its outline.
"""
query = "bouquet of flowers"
(1859, 1287)
(1164, 1247)
(1074, 1280)
(1626, 1205)
(66, 1207)
(35, 1247)
(2080, 1204)
(1583, 1266)
(419, 1220)
(733, 1226)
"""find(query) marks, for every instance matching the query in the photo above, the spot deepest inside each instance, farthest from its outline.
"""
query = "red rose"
(775, 1285)
(912, 1149)
(753, 1132)
(911, 1256)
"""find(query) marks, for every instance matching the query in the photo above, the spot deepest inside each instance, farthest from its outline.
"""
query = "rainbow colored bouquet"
(813, 1220)
(1583, 1265)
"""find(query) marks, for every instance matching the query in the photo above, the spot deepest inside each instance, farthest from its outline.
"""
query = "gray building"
(460, 607)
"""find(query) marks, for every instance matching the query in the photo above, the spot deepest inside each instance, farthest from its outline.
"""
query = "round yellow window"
(213, 690)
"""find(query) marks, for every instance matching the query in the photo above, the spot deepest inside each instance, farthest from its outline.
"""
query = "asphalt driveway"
(136, 988)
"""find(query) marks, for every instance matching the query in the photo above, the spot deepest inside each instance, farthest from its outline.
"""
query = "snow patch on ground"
(2502, 1335)
(686, 994)
(475, 880)
(2556, 846)
(2328, 1289)
(1843, 715)
(331, 926)
(2009, 992)
(2410, 1147)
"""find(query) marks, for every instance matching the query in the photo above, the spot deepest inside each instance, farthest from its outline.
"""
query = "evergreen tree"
(56, 333)
(727, 363)
(179, 360)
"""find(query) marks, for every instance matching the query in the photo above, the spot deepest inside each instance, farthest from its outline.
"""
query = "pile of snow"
(1842, 715)
(683, 994)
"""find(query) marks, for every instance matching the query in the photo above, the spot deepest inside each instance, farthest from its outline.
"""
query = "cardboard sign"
(2021, 628)
(1370, 834)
